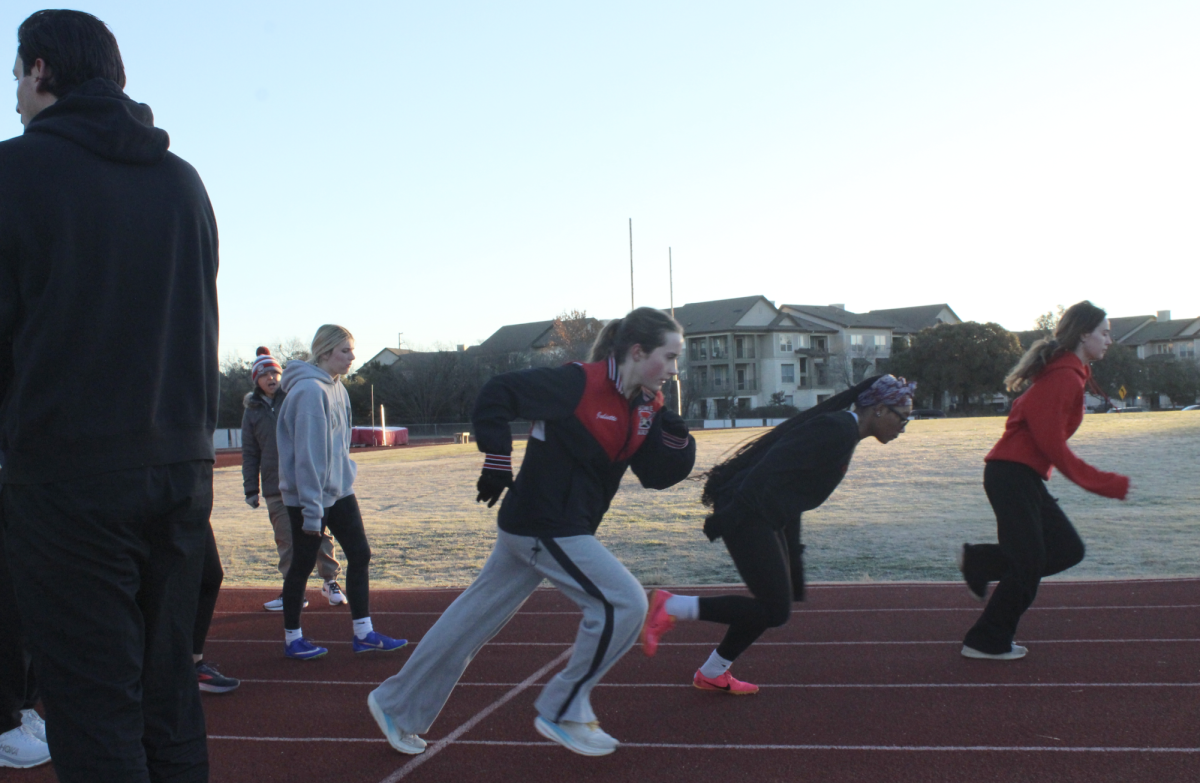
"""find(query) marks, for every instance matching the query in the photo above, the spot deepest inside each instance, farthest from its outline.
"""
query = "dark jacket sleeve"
(664, 459)
(251, 455)
(798, 473)
(541, 394)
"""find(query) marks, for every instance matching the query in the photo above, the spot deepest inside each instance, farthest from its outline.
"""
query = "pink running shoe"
(726, 682)
(658, 622)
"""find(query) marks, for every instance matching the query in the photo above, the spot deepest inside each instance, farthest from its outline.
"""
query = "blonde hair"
(327, 339)
(1079, 320)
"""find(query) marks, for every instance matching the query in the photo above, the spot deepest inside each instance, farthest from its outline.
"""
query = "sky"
(443, 169)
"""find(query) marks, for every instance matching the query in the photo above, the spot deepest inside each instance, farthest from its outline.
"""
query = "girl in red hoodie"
(1036, 538)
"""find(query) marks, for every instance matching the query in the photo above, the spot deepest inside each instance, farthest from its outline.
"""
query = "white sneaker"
(402, 741)
(333, 591)
(34, 722)
(20, 749)
(1015, 652)
(586, 739)
(276, 604)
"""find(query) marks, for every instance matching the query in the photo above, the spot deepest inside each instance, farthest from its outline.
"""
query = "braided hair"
(749, 453)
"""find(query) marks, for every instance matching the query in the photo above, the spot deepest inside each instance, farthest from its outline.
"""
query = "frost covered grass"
(900, 514)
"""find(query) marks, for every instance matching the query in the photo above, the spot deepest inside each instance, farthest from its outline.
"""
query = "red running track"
(864, 684)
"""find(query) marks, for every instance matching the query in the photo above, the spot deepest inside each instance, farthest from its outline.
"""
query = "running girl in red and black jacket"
(590, 422)
(758, 496)
(1036, 538)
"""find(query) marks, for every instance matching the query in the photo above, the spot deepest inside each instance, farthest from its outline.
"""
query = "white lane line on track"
(766, 644)
(445, 742)
(973, 609)
(863, 686)
(709, 746)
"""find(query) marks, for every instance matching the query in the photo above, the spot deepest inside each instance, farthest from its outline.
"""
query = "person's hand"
(252, 501)
(491, 485)
(673, 424)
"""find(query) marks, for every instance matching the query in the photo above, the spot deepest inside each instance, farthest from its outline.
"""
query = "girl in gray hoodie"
(316, 479)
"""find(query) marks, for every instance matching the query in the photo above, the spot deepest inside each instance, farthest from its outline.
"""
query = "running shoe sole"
(1015, 653)
(394, 737)
(552, 732)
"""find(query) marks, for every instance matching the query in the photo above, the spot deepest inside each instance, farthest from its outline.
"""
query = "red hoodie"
(1041, 421)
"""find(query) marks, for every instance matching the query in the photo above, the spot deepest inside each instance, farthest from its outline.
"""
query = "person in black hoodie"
(108, 248)
(758, 496)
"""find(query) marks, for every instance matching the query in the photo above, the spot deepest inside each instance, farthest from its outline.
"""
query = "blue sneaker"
(377, 641)
(303, 650)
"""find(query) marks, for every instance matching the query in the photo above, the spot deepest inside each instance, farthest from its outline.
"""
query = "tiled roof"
(716, 316)
(845, 318)
(515, 338)
(1159, 331)
(914, 319)
(1124, 326)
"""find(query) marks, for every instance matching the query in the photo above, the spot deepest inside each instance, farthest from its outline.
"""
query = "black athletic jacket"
(108, 294)
(585, 434)
(795, 475)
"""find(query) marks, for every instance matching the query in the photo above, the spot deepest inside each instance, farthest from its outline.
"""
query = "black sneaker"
(976, 585)
(213, 681)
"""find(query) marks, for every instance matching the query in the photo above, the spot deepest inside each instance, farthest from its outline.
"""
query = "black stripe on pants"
(761, 557)
(1036, 540)
(345, 524)
(591, 589)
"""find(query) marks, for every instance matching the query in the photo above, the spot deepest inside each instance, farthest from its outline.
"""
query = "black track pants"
(1036, 540)
(344, 521)
(761, 557)
(210, 587)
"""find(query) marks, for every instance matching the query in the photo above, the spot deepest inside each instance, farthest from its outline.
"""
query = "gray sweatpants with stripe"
(611, 599)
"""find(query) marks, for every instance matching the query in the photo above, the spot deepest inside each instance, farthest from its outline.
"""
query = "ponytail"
(749, 453)
(1080, 319)
(644, 326)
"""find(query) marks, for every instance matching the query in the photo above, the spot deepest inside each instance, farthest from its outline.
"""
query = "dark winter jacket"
(585, 433)
(260, 455)
(795, 475)
(108, 299)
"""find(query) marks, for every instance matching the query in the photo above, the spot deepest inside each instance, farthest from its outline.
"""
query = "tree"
(572, 336)
(1177, 379)
(970, 359)
(1047, 322)
(1119, 368)
(235, 383)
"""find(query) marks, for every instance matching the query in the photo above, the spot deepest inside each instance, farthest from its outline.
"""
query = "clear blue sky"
(442, 169)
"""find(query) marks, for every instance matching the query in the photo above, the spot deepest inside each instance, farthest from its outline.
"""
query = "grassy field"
(900, 514)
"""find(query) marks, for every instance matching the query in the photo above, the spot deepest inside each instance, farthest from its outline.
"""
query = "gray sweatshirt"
(313, 435)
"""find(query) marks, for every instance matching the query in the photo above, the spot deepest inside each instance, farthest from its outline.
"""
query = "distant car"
(1130, 409)
(926, 413)
(1192, 408)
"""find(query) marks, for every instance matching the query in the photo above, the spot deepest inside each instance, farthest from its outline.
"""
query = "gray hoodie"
(313, 435)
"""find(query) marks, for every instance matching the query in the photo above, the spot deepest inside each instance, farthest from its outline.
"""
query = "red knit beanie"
(263, 361)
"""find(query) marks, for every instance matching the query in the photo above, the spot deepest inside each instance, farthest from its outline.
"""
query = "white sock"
(683, 607)
(715, 666)
(291, 636)
(363, 627)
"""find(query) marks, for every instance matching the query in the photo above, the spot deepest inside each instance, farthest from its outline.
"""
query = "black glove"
(673, 424)
(491, 485)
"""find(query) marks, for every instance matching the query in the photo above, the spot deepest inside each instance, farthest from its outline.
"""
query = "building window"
(787, 373)
(1187, 350)
(856, 339)
(698, 350)
(745, 378)
(720, 377)
(1164, 348)
(744, 347)
(720, 347)
(803, 380)
(785, 343)
(820, 344)
(880, 340)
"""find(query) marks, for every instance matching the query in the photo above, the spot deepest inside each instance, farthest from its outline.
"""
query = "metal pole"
(671, 279)
(631, 304)
(373, 443)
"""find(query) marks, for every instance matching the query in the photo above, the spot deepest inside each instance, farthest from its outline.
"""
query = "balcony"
(721, 388)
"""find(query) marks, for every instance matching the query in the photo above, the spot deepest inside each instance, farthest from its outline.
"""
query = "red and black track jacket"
(585, 433)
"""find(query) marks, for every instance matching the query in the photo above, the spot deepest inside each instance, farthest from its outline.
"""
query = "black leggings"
(1036, 540)
(211, 577)
(345, 524)
(761, 557)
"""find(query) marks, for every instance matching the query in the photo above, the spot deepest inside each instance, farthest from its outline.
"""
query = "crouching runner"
(590, 421)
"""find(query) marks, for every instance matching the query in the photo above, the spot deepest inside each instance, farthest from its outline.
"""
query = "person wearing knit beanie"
(263, 361)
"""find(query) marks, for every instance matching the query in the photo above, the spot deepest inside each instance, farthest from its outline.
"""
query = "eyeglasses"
(903, 419)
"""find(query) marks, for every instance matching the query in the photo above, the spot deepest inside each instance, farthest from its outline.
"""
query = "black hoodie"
(108, 301)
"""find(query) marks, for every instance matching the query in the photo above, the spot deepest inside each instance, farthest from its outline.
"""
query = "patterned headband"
(888, 390)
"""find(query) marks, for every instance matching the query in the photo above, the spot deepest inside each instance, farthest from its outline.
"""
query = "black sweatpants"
(211, 577)
(107, 571)
(1036, 540)
(345, 524)
(18, 686)
(761, 557)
